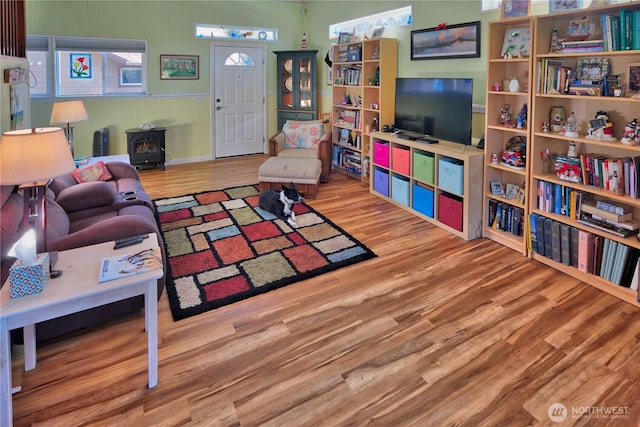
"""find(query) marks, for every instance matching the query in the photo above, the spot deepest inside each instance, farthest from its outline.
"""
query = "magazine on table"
(130, 264)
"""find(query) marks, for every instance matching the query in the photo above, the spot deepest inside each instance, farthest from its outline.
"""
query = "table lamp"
(68, 112)
(30, 158)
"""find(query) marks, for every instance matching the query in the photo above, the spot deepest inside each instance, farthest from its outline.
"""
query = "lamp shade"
(32, 155)
(68, 112)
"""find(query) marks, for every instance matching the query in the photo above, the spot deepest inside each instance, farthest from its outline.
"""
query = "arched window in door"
(239, 59)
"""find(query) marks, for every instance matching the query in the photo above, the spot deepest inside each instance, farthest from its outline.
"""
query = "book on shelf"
(610, 214)
(598, 243)
(585, 251)
(590, 221)
(125, 265)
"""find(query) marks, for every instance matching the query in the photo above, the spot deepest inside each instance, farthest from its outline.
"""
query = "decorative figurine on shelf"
(631, 133)
(506, 116)
(494, 159)
(515, 154)
(573, 151)
(572, 126)
(557, 119)
(544, 127)
(601, 128)
(522, 117)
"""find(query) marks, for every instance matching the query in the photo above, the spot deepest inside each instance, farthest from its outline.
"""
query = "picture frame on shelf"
(633, 79)
(344, 38)
(496, 188)
(556, 6)
(514, 8)
(512, 191)
(452, 41)
(377, 33)
(593, 69)
(517, 42)
(179, 67)
(344, 136)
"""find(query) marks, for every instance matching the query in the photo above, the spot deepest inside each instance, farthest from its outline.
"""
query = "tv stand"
(427, 179)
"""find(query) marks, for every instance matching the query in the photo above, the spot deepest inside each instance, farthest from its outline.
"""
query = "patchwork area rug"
(222, 248)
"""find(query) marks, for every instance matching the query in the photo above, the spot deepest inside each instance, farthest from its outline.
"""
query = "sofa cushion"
(95, 172)
(87, 195)
(302, 134)
(57, 221)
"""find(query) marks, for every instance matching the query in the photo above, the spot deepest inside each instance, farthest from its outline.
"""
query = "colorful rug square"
(222, 248)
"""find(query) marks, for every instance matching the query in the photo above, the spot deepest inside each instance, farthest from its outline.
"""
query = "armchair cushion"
(305, 134)
(87, 195)
(95, 172)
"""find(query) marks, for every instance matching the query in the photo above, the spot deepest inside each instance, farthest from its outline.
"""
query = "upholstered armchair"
(307, 139)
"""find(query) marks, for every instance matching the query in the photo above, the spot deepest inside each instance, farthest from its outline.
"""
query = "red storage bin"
(450, 210)
(400, 160)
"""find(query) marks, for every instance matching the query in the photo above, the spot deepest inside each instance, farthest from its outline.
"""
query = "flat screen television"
(435, 107)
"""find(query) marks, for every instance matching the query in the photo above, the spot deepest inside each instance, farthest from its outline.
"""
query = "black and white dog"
(280, 203)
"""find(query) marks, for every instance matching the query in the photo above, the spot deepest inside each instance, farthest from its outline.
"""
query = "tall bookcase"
(297, 88)
(363, 75)
(509, 74)
(544, 184)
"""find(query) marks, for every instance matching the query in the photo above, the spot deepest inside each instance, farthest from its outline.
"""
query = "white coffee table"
(76, 290)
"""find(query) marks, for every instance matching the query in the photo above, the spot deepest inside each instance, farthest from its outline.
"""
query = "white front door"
(238, 100)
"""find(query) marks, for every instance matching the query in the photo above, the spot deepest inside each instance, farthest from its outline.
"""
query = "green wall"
(168, 26)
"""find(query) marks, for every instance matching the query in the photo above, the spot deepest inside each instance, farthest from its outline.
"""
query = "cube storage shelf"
(441, 183)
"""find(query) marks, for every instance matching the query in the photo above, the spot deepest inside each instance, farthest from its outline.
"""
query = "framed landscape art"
(453, 41)
(179, 67)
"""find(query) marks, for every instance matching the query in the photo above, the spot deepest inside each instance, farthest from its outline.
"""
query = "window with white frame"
(367, 24)
(212, 31)
(73, 66)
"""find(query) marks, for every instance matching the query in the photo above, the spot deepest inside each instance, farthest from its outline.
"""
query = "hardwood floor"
(435, 331)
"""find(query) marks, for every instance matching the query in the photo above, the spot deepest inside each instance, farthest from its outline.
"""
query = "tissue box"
(28, 279)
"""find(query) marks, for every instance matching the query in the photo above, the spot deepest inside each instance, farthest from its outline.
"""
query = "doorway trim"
(212, 108)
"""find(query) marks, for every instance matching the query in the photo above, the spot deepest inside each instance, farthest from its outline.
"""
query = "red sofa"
(83, 214)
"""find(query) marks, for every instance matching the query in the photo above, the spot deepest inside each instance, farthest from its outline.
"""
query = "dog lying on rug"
(280, 203)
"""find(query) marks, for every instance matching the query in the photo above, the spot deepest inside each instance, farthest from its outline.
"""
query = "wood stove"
(146, 148)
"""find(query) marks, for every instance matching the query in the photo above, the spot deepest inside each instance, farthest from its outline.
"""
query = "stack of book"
(581, 46)
(616, 219)
(505, 217)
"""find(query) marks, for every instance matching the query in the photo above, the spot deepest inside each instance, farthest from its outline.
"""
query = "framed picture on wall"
(454, 41)
(513, 8)
(179, 67)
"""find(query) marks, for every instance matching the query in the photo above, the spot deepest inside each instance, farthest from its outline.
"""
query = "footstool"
(303, 172)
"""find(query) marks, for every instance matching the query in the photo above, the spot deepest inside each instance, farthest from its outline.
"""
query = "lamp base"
(34, 211)
(68, 132)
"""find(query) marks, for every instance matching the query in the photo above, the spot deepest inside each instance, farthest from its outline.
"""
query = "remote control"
(126, 239)
(129, 242)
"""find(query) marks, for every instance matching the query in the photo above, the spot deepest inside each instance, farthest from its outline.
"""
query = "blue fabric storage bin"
(423, 200)
(381, 181)
(450, 175)
(400, 189)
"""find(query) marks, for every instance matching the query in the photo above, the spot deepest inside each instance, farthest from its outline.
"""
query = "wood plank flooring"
(435, 331)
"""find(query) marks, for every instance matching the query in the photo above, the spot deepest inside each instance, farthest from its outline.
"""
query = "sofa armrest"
(276, 143)
(86, 195)
(120, 170)
(104, 231)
